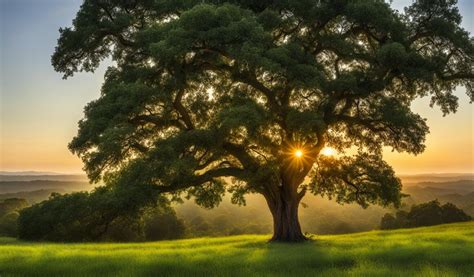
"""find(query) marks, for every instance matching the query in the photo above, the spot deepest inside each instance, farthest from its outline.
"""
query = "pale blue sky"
(39, 110)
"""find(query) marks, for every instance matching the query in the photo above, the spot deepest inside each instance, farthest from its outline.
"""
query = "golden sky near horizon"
(40, 111)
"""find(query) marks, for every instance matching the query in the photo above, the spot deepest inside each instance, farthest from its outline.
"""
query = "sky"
(39, 110)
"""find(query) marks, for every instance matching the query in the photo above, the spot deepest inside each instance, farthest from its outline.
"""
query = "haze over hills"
(407, 179)
(21, 173)
(54, 185)
(33, 181)
(37, 176)
(434, 177)
(430, 184)
(32, 197)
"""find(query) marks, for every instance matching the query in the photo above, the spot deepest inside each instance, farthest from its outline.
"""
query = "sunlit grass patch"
(445, 250)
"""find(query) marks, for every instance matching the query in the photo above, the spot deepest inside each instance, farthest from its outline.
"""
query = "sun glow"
(328, 151)
(298, 153)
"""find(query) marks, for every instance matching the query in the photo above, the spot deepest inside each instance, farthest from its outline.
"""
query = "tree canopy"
(201, 90)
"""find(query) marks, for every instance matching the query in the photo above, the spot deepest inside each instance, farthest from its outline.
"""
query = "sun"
(298, 153)
(328, 151)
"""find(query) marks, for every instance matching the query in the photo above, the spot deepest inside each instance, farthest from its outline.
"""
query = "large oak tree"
(200, 90)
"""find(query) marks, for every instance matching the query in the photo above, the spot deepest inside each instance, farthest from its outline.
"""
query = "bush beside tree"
(425, 214)
(98, 215)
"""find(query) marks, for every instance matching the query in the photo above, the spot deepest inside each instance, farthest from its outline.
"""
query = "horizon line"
(40, 172)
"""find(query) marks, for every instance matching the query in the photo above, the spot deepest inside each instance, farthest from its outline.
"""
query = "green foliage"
(9, 209)
(154, 223)
(12, 205)
(363, 179)
(425, 214)
(94, 216)
(392, 55)
(202, 90)
(162, 224)
(208, 195)
(8, 225)
(445, 250)
(61, 218)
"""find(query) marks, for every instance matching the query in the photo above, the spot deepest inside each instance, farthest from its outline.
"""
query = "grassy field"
(446, 250)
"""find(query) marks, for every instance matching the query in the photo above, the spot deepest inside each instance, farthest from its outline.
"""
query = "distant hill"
(460, 193)
(73, 177)
(32, 197)
(459, 186)
(441, 188)
(443, 177)
(22, 173)
(63, 186)
(469, 209)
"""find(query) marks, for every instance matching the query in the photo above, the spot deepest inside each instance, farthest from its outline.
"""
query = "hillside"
(32, 197)
(43, 177)
(434, 177)
(58, 186)
(444, 250)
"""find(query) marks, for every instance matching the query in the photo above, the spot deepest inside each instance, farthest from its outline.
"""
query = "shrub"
(162, 223)
(388, 222)
(425, 214)
(103, 214)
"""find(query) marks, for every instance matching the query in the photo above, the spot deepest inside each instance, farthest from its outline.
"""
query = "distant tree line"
(425, 214)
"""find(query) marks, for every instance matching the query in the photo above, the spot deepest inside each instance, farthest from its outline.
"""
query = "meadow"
(445, 250)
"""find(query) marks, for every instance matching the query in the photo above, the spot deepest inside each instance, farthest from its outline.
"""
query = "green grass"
(445, 250)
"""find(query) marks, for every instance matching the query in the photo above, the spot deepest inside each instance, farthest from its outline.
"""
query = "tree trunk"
(284, 209)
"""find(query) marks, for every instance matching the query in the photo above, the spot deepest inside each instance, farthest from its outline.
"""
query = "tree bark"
(284, 208)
